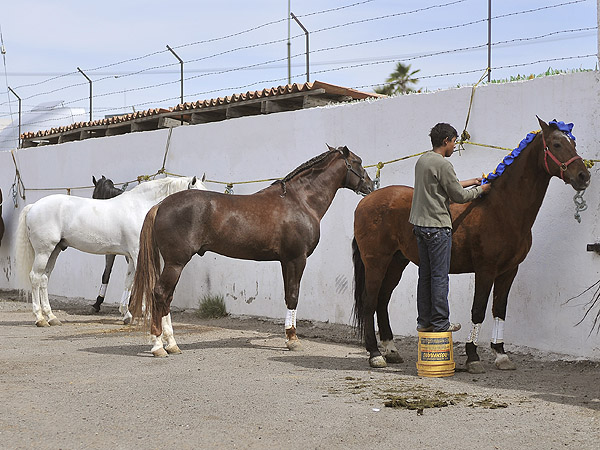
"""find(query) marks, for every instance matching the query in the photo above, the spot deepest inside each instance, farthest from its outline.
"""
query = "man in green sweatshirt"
(436, 184)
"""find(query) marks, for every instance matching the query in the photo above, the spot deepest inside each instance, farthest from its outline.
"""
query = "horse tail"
(24, 253)
(147, 272)
(360, 292)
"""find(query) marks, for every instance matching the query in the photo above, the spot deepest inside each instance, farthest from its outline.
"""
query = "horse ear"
(94, 180)
(543, 124)
(203, 177)
(329, 147)
(194, 180)
(346, 151)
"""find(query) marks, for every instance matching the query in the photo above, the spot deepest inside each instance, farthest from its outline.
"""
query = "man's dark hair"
(440, 132)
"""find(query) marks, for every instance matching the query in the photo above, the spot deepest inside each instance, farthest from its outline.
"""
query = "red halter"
(561, 166)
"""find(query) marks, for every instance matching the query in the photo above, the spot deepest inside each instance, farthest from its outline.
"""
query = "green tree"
(399, 81)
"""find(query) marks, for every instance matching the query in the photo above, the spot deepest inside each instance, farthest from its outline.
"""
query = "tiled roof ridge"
(199, 104)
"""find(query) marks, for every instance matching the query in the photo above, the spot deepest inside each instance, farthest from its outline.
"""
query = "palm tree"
(399, 80)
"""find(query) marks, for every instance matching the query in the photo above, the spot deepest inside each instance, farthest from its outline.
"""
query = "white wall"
(557, 268)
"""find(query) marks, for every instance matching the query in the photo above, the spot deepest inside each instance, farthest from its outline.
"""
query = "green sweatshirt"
(436, 184)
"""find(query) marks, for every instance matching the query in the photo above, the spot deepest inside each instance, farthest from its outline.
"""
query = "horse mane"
(162, 187)
(308, 164)
(508, 159)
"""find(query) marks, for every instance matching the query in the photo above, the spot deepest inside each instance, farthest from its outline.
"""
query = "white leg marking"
(167, 327)
(123, 306)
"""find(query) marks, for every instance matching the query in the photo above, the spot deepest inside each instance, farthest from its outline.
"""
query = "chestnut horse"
(491, 237)
(104, 188)
(279, 223)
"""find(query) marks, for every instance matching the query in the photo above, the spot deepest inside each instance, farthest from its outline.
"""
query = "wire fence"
(455, 55)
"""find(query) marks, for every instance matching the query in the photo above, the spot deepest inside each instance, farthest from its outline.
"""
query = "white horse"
(102, 227)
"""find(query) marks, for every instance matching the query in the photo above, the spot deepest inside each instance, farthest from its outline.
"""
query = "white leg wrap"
(290, 319)
(102, 292)
(498, 331)
(474, 336)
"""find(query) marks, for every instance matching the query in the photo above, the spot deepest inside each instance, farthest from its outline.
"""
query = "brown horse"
(491, 237)
(278, 223)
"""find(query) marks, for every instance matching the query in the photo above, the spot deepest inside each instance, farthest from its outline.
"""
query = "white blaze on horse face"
(498, 331)
(290, 319)
(567, 138)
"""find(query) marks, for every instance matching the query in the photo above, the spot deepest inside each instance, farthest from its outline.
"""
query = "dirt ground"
(94, 384)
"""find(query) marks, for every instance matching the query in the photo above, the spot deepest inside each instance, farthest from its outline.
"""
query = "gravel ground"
(93, 383)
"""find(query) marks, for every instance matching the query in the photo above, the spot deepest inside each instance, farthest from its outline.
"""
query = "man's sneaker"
(425, 329)
(453, 327)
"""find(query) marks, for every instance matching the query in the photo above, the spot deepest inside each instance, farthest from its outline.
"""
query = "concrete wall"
(557, 268)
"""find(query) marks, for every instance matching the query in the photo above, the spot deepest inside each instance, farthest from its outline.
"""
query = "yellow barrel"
(436, 355)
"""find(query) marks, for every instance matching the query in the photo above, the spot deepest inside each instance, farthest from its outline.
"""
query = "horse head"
(104, 188)
(560, 155)
(357, 178)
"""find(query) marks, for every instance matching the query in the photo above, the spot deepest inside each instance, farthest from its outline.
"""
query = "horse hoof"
(55, 322)
(173, 350)
(475, 367)
(377, 362)
(96, 307)
(294, 345)
(127, 318)
(503, 362)
(394, 358)
(160, 352)
(42, 323)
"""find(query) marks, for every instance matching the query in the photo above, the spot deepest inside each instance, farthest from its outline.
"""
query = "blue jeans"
(434, 246)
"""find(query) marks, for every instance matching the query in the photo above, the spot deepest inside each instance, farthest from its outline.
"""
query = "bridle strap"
(561, 166)
(350, 169)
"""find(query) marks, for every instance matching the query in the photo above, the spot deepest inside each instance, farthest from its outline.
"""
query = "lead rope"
(580, 204)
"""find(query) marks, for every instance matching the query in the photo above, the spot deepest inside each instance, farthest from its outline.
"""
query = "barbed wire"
(274, 61)
(554, 33)
(445, 74)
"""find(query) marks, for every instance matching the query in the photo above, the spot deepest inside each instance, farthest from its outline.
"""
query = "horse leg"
(172, 348)
(37, 277)
(163, 295)
(124, 304)
(375, 273)
(52, 319)
(391, 280)
(502, 286)
(483, 286)
(110, 260)
(292, 273)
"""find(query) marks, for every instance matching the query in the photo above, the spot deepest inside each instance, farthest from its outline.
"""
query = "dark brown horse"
(491, 237)
(104, 189)
(278, 223)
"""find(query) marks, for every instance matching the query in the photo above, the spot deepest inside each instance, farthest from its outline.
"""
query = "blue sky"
(356, 44)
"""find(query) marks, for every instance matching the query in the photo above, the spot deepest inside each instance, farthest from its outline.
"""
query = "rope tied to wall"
(18, 188)
(465, 136)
